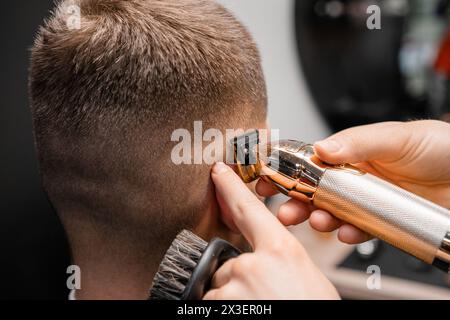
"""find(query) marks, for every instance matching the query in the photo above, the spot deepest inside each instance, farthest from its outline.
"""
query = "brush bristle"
(177, 266)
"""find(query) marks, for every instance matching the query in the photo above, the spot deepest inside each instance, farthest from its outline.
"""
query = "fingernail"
(331, 146)
(220, 167)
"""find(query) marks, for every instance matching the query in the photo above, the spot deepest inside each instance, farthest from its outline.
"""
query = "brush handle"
(216, 253)
(404, 220)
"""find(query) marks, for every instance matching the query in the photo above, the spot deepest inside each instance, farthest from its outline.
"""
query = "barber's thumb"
(334, 150)
(364, 143)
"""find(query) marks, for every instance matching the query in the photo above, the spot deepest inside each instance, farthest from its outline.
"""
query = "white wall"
(291, 108)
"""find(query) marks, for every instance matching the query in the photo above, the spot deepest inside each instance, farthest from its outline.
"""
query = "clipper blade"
(246, 155)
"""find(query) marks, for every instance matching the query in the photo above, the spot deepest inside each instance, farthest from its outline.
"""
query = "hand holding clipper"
(403, 219)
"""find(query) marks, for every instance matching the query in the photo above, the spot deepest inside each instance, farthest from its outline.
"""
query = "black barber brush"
(186, 270)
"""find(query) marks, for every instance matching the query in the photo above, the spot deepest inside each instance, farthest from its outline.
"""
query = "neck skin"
(111, 267)
(114, 268)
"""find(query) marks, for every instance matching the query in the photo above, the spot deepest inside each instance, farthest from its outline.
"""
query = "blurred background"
(325, 71)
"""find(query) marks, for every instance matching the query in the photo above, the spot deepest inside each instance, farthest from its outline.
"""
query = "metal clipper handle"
(388, 212)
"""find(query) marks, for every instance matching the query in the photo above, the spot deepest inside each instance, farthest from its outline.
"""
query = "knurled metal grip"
(404, 220)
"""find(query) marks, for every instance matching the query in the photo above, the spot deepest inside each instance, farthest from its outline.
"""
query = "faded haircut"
(106, 96)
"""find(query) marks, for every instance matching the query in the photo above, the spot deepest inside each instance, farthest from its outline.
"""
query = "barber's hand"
(413, 155)
(278, 268)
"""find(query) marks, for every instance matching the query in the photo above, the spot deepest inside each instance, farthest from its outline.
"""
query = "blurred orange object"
(442, 64)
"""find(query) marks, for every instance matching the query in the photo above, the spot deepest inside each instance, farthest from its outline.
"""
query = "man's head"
(106, 97)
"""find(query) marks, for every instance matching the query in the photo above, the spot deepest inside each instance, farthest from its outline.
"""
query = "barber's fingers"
(231, 291)
(350, 234)
(387, 141)
(323, 221)
(223, 275)
(248, 213)
(265, 189)
(214, 294)
(293, 212)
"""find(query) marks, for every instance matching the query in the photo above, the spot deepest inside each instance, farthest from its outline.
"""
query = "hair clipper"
(404, 220)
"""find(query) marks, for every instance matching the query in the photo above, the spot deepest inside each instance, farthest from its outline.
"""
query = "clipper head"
(246, 155)
(289, 165)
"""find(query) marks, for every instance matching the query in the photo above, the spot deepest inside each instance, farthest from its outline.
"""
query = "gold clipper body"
(405, 220)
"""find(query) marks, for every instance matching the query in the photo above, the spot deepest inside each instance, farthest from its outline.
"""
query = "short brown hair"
(105, 98)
